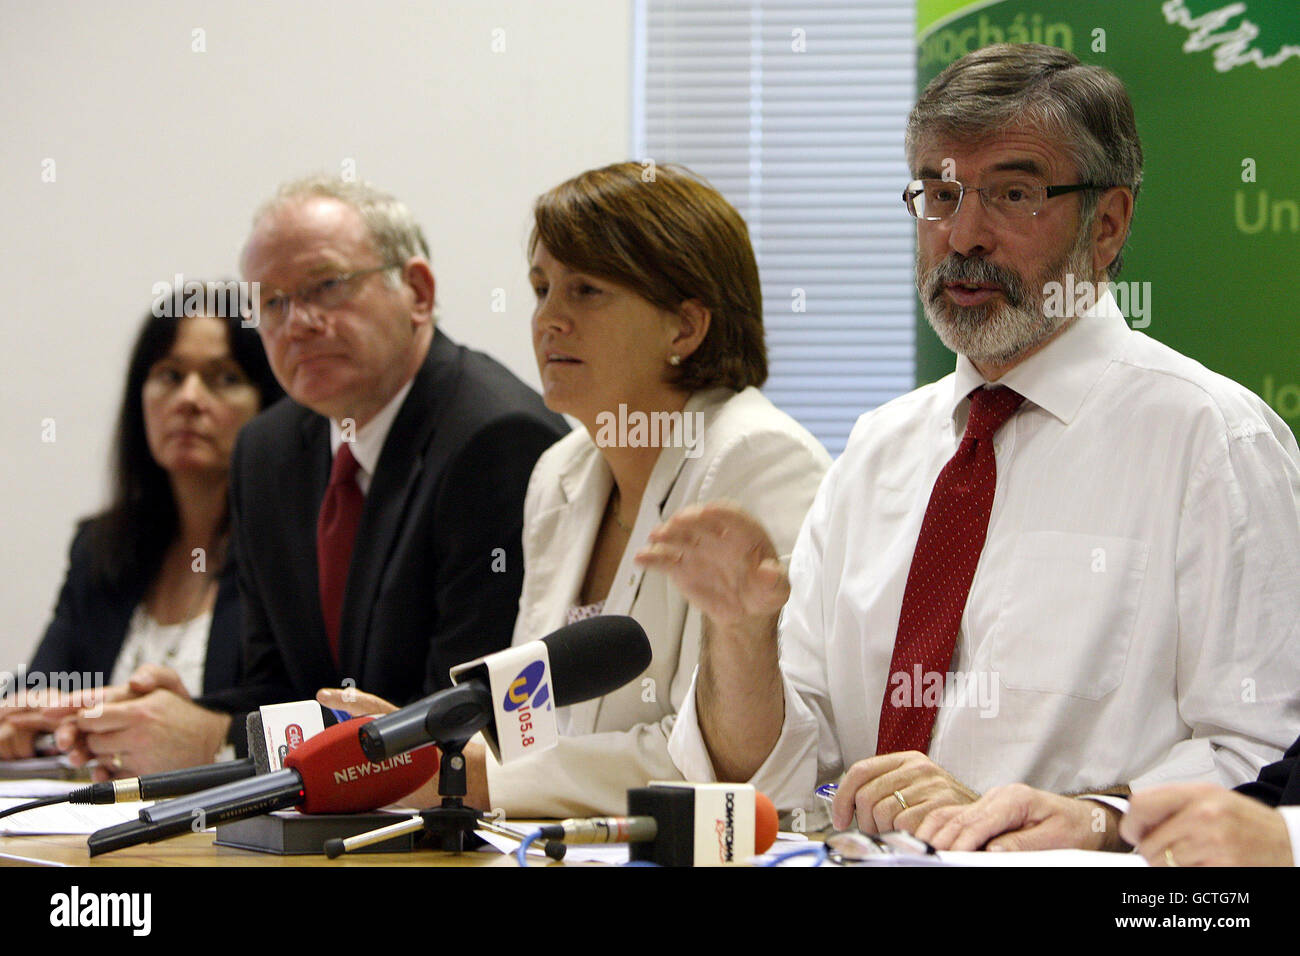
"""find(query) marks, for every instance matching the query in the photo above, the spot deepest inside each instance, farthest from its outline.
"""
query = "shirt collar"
(369, 439)
(1058, 377)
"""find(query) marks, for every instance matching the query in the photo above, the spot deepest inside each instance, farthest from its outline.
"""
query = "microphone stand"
(449, 824)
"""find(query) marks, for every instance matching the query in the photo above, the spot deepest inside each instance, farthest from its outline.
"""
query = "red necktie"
(943, 566)
(336, 530)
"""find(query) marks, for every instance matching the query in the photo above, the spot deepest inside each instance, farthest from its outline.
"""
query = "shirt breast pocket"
(1068, 609)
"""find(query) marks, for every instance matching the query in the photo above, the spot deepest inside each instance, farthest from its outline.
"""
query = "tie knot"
(989, 409)
(345, 465)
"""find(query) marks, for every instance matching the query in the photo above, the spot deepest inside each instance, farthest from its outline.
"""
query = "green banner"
(1212, 263)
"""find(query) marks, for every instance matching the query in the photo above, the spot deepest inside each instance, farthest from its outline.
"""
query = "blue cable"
(520, 853)
(818, 851)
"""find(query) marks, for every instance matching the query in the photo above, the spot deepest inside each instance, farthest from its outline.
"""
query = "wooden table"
(197, 849)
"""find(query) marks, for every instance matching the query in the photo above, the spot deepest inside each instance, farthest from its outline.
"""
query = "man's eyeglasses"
(330, 292)
(1012, 197)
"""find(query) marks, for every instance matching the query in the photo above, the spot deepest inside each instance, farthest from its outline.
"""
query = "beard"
(998, 332)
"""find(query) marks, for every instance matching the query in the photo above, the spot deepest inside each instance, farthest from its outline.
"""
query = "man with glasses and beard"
(1072, 563)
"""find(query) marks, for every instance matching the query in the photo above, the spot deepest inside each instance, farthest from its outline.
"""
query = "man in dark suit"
(377, 512)
(1278, 784)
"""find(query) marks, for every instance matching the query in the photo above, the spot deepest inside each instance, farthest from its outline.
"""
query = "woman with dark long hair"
(149, 590)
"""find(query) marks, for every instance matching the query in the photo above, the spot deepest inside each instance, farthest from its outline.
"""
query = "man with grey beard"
(1099, 529)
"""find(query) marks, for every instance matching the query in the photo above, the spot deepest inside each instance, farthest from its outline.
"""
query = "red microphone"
(337, 777)
(328, 773)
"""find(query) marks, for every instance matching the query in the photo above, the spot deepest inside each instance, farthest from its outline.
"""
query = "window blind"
(795, 112)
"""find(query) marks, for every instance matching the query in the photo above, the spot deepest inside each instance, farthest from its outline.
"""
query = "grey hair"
(1045, 88)
(395, 234)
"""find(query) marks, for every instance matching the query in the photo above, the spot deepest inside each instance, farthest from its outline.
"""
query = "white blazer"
(749, 452)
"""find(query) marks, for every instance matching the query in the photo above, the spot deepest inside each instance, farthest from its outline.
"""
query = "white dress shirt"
(182, 647)
(368, 441)
(749, 452)
(1135, 615)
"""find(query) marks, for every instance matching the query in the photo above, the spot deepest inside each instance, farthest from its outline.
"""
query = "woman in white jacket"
(648, 330)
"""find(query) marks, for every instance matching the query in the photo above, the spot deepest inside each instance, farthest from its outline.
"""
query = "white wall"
(161, 154)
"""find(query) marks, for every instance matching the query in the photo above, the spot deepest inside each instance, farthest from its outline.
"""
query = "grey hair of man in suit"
(393, 229)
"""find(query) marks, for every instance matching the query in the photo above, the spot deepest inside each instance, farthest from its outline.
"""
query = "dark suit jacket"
(436, 568)
(1278, 784)
(90, 623)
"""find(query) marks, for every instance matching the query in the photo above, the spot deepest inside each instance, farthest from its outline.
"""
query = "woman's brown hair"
(670, 237)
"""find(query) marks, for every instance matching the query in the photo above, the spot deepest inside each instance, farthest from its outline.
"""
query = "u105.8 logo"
(528, 687)
(528, 691)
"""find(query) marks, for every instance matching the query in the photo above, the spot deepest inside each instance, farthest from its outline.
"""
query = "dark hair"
(1084, 107)
(669, 236)
(129, 539)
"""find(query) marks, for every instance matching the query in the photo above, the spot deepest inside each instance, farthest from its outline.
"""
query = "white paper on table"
(612, 853)
(64, 818)
(38, 787)
(1046, 858)
(786, 843)
(1038, 858)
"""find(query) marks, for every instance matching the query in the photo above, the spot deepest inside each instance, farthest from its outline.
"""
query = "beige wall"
(160, 153)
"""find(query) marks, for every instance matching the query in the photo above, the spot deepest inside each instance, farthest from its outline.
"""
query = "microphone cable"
(818, 851)
(43, 802)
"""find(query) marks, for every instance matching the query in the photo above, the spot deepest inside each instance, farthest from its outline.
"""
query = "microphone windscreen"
(337, 777)
(257, 736)
(765, 822)
(595, 657)
(257, 742)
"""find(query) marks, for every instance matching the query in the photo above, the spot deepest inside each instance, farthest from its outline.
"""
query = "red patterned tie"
(336, 530)
(943, 566)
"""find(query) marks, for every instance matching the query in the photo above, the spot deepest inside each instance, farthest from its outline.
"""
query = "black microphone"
(243, 798)
(153, 786)
(588, 659)
(326, 774)
(232, 801)
(158, 786)
(194, 797)
(179, 783)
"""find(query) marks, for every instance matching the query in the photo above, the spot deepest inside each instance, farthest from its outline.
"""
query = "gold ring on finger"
(899, 797)
(1169, 857)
